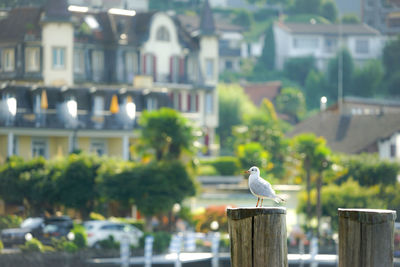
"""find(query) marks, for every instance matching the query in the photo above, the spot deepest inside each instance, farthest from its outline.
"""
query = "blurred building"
(363, 126)
(62, 53)
(382, 15)
(322, 41)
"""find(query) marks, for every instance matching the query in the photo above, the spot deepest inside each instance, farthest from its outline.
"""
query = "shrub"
(62, 244)
(1, 246)
(212, 213)
(108, 243)
(206, 170)
(80, 236)
(33, 245)
(161, 241)
(225, 165)
(96, 216)
(10, 221)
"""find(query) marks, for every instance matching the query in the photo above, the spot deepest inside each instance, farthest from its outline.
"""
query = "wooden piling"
(258, 237)
(366, 237)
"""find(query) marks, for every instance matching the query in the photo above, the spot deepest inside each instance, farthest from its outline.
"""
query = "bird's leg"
(261, 202)
(257, 202)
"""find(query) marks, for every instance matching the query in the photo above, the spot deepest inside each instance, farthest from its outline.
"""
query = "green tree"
(368, 170)
(329, 10)
(252, 154)
(266, 62)
(297, 69)
(263, 127)
(393, 84)
(233, 103)
(242, 17)
(159, 185)
(77, 184)
(367, 80)
(306, 6)
(332, 75)
(348, 195)
(350, 19)
(291, 102)
(312, 152)
(391, 57)
(315, 88)
(167, 132)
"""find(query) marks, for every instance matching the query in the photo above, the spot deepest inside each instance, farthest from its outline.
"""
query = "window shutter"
(180, 101)
(189, 104)
(181, 69)
(197, 102)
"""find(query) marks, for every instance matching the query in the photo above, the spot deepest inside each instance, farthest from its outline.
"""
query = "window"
(193, 102)
(362, 46)
(210, 68)
(209, 103)
(151, 103)
(58, 57)
(174, 69)
(131, 65)
(330, 45)
(98, 105)
(8, 59)
(98, 65)
(305, 43)
(228, 65)
(148, 67)
(39, 147)
(392, 150)
(98, 147)
(79, 61)
(32, 59)
(162, 34)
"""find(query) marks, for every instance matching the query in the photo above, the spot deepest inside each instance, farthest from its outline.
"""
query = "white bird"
(260, 187)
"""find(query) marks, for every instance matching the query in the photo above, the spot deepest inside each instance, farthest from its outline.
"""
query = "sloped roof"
(258, 91)
(347, 133)
(56, 10)
(327, 29)
(18, 22)
(192, 23)
(207, 25)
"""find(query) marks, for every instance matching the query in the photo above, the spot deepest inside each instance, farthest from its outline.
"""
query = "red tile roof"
(258, 91)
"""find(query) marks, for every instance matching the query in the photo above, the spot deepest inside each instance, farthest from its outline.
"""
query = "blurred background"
(139, 118)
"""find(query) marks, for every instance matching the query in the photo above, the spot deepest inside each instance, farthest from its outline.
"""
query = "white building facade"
(322, 41)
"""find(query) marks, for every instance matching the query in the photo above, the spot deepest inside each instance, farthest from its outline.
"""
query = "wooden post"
(366, 237)
(258, 237)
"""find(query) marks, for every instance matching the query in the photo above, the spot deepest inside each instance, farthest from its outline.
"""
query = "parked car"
(29, 228)
(57, 227)
(101, 230)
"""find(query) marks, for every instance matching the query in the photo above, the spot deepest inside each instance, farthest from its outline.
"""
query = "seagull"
(260, 187)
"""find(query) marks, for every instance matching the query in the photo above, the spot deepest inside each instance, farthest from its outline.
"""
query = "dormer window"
(58, 57)
(162, 34)
(32, 59)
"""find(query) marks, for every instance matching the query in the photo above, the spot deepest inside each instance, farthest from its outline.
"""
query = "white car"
(101, 230)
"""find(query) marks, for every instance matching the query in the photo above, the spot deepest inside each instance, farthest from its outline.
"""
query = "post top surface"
(368, 215)
(242, 213)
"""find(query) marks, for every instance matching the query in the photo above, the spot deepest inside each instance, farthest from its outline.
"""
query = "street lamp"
(323, 103)
(12, 105)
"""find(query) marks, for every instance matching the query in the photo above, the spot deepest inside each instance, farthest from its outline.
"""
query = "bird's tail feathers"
(278, 199)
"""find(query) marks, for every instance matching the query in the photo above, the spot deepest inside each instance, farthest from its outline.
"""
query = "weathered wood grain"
(258, 237)
(366, 237)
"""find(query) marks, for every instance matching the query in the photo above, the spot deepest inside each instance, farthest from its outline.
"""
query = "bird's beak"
(246, 172)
